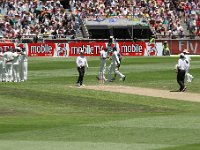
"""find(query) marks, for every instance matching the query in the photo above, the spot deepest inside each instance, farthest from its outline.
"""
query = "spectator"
(63, 18)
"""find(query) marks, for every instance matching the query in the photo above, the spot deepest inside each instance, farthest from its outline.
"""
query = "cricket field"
(49, 112)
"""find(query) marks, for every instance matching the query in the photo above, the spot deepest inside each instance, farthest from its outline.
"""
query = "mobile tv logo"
(88, 49)
(41, 49)
(5, 48)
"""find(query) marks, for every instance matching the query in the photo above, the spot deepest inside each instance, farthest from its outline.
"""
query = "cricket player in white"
(16, 65)
(1, 67)
(117, 72)
(103, 56)
(188, 60)
(8, 56)
(114, 63)
(24, 65)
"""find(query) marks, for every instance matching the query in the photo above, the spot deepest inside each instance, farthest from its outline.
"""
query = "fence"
(92, 47)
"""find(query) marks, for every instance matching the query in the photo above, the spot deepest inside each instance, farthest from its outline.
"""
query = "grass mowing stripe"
(87, 102)
(55, 112)
(183, 147)
(51, 145)
(171, 121)
(167, 136)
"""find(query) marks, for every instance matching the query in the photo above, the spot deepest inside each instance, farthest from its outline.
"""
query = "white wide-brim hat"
(186, 51)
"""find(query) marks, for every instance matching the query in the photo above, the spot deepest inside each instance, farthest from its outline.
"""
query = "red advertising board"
(5, 46)
(175, 46)
(90, 48)
(179, 45)
(132, 48)
(93, 47)
(41, 49)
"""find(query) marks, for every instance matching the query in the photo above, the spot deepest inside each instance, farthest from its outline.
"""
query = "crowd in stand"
(26, 18)
(62, 19)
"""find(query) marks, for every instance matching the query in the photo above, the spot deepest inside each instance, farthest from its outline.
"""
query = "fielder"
(16, 65)
(8, 56)
(103, 56)
(24, 65)
(2, 67)
(189, 77)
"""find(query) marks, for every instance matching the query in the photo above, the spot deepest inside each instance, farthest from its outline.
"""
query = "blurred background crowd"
(62, 18)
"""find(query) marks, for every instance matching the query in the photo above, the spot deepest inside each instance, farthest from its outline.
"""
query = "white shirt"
(103, 56)
(8, 56)
(188, 59)
(179, 28)
(182, 65)
(16, 58)
(24, 57)
(115, 58)
(81, 61)
(1, 57)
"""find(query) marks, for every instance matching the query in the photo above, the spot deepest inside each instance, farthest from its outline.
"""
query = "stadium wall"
(66, 48)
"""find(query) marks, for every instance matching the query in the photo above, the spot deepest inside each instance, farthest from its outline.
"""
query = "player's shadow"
(175, 91)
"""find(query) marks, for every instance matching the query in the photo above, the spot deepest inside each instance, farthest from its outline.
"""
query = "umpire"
(81, 63)
(181, 70)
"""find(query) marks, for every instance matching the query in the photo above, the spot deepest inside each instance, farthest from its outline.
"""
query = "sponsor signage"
(41, 49)
(61, 50)
(5, 46)
(192, 45)
(90, 48)
(132, 48)
(155, 50)
(93, 48)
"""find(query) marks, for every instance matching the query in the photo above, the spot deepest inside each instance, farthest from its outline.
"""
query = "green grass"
(48, 112)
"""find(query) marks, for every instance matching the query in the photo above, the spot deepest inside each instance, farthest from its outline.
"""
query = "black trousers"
(181, 79)
(81, 71)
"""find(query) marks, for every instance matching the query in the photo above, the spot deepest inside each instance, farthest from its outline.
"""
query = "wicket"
(101, 78)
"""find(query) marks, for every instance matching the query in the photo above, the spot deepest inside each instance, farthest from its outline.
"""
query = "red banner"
(90, 48)
(132, 48)
(41, 49)
(5, 46)
(178, 46)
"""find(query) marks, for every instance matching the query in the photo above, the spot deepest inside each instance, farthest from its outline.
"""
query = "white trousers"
(9, 72)
(16, 76)
(189, 77)
(24, 71)
(1, 71)
(111, 69)
(102, 71)
(119, 73)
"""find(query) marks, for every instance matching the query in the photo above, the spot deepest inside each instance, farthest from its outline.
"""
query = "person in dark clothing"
(181, 70)
(81, 63)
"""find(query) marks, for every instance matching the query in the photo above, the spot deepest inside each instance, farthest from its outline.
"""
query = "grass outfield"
(48, 112)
